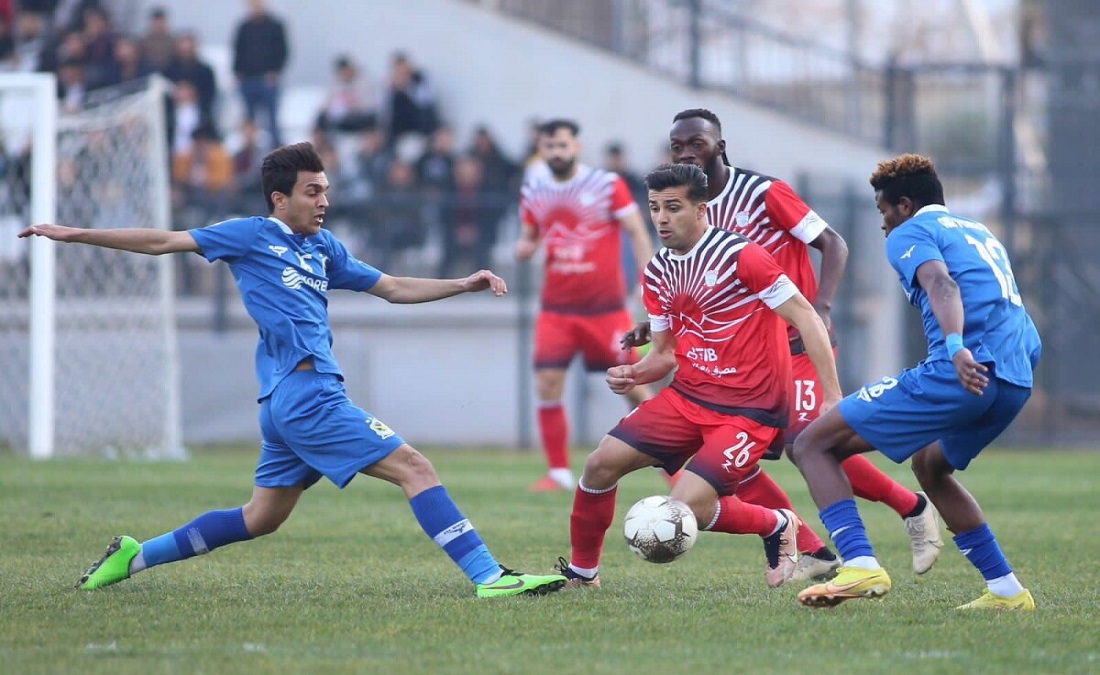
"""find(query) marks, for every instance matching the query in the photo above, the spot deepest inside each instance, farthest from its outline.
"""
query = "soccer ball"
(660, 529)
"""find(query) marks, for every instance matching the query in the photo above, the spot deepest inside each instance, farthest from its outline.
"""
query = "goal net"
(88, 351)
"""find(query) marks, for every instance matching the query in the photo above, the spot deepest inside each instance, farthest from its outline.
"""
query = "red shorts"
(559, 337)
(723, 449)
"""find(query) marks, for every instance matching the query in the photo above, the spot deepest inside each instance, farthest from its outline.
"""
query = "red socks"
(592, 515)
(759, 488)
(869, 483)
(555, 435)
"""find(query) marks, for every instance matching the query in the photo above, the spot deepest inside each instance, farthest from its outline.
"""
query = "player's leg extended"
(263, 514)
(818, 452)
(935, 470)
(555, 347)
(868, 482)
(441, 520)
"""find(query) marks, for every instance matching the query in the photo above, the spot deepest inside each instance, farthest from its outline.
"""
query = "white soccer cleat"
(924, 536)
(811, 568)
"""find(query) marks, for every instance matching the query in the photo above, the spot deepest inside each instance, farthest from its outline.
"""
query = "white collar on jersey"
(691, 252)
(931, 208)
(282, 226)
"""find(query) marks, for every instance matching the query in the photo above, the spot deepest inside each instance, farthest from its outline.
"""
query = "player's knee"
(418, 469)
(263, 519)
(601, 471)
(929, 465)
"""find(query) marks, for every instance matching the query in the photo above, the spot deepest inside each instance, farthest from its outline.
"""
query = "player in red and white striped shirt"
(717, 304)
(769, 212)
(578, 212)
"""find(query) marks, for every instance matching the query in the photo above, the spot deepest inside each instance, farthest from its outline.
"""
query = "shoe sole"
(875, 592)
(571, 584)
(116, 545)
(546, 589)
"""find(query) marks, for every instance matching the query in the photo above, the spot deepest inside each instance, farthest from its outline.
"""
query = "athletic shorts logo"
(871, 392)
(379, 427)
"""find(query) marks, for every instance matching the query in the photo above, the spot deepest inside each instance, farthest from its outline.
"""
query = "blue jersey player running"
(285, 265)
(982, 350)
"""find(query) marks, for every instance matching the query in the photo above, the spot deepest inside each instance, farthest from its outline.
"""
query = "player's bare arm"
(412, 290)
(638, 336)
(528, 242)
(947, 306)
(834, 261)
(654, 366)
(138, 239)
(798, 312)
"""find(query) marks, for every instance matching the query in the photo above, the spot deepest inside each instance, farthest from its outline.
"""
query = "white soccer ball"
(660, 529)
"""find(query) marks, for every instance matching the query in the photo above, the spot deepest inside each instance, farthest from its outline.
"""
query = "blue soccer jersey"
(997, 328)
(284, 279)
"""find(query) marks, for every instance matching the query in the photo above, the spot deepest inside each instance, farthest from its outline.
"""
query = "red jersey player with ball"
(717, 304)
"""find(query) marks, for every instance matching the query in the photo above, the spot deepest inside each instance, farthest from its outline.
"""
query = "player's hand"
(971, 374)
(828, 403)
(826, 318)
(55, 232)
(620, 378)
(525, 249)
(638, 336)
(484, 279)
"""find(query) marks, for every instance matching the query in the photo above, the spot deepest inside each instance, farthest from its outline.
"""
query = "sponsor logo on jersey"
(293, 279)
(741, 218)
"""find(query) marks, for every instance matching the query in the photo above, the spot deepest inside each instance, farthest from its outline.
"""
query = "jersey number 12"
(994, 254)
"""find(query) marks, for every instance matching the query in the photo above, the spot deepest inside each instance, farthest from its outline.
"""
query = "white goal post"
(88, 349)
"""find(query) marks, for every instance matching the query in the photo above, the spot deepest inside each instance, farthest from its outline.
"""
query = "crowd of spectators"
(401, 177)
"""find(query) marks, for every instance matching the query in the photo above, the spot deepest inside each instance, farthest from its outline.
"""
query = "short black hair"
(550, 127)
(279, 171)
(701, 113)
(908, 175)
(669, 176)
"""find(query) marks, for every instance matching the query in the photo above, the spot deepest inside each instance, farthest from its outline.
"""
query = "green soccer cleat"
(113, 567)
(517, 583)
(1021, 602)
(850, 583)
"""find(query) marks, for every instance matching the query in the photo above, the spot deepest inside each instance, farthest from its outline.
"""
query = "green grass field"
(351, 585)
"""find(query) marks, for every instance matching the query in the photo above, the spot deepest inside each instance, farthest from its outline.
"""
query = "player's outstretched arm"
(946, 303)
(798, 312)
(411, 290)
(528, 242)
(137, 240)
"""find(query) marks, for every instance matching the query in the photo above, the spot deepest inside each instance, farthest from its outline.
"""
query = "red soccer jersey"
(579, 222)
(731, 349)
(770, 213)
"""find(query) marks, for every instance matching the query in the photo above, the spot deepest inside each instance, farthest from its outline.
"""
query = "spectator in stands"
(186, 117)
(71, 86)
(397, 221)
(615, 161)
(350, 104)
(500, 178)
(470, 221)
(246, 167)
(365, 174)
(260, 53)
(435, 168)
(189, 68)
(30, 41)
(7, 42)
(127, 64)
(411, 102)
(99, 46)
(158, 45)
(202, 178)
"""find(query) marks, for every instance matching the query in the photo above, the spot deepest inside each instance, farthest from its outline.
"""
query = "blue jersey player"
(285, 265)
(982, 350)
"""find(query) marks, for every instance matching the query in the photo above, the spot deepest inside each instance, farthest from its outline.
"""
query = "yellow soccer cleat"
(850, 583)
(1021, 602)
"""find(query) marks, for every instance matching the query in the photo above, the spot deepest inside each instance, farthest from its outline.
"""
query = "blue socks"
(846, 529)
(202, 535)
(981, 549)
(443, 522)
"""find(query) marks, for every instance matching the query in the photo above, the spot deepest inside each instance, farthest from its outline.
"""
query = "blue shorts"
(901, 415)
(311, 429)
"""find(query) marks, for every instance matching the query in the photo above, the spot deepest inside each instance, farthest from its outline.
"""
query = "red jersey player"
(716, 303)
(770, 213)
(578, 212)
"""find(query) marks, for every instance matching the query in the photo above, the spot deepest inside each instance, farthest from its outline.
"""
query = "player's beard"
(562, 168)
